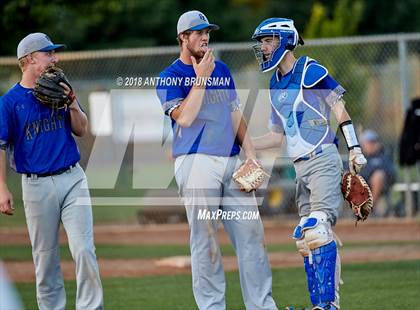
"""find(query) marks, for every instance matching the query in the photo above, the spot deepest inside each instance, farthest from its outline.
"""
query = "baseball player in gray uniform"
(303, 95)
(208, 133)
(41, 147)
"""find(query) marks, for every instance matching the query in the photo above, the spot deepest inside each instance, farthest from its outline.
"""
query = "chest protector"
(306, 127)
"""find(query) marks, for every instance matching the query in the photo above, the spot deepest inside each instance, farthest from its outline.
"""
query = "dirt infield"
(373, 231)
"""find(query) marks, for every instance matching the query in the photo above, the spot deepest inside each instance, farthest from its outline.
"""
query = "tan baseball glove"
(250, 175)
(357, 192)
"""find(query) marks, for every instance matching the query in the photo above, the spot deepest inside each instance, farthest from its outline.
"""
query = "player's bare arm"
(242, 135)
(6, 199)
(269, 140)
(78, 119)
(187, 111)
(340, 112)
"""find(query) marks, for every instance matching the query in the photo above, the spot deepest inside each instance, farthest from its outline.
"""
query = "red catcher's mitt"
(249, 176)
(357, 192)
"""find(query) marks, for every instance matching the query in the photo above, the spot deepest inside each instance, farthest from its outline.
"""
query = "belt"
(314, 153)
(49, 174)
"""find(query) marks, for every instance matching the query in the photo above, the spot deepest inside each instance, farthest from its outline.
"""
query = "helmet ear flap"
(290, 45)
(294, 41)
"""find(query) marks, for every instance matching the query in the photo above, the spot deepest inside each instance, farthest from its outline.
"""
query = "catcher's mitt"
(49, 91)
(357, 192)
(249, 176)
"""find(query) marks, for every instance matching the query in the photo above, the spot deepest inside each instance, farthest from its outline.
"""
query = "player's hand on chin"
(206, 66)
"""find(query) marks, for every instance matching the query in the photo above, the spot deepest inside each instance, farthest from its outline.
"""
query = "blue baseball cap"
(369, 136)
(36, 42)
(194, 20)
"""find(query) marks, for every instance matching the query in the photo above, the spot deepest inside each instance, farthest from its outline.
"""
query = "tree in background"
(390, 16)
(100, 24)
(345, 19)
(341, 20)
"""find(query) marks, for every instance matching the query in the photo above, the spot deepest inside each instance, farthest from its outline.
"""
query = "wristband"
(349, 134)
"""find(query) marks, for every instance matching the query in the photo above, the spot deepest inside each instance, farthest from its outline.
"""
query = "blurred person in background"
(409, 147)
(379, 172)
(410, 137)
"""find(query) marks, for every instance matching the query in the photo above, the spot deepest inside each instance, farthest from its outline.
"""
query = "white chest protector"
(304, 115)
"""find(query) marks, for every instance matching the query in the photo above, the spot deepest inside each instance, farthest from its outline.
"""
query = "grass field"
(102, 214)
(114, 251)
(366, 287)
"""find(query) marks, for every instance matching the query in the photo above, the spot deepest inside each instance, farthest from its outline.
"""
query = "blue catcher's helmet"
(285, 31)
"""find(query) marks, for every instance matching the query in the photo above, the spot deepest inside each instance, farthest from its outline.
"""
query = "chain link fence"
(380, 73)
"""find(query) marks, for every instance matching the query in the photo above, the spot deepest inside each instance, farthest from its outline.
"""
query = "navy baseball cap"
(194, 20)
(36, 42)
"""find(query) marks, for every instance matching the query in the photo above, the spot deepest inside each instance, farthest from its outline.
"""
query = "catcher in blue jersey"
(303, 95)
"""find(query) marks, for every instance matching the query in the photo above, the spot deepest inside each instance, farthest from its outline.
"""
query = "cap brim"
(53, 47)
(204, 26)
(369, 138)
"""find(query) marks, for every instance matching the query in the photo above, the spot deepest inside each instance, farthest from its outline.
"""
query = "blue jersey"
(38, 139)
(301, 106)
(212, 131)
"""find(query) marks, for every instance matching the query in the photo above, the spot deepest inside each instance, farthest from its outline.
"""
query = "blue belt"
(49, 174)
(312, 154)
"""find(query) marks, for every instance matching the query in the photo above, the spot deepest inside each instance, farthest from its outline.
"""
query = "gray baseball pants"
(318, 184)
(49, 201)
(205, 183)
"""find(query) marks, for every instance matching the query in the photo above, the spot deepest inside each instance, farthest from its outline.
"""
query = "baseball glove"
(49, 91)
(249, 176)
(357, 192)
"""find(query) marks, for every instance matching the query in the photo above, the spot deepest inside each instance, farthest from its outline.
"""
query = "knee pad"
(301, 245)
(317, 230)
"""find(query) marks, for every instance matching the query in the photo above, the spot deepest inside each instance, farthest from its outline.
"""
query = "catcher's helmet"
(284, 29)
